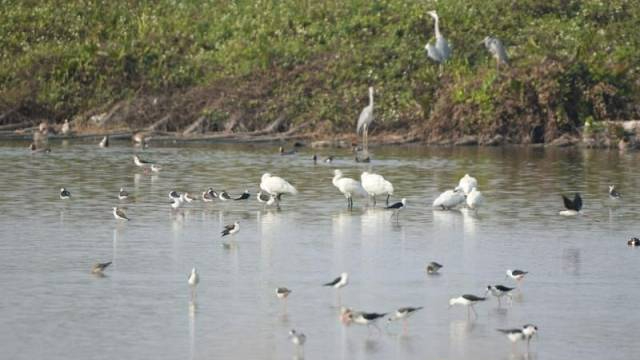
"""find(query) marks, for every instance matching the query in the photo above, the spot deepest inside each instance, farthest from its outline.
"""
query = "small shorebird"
(98, 268)
(265, 198)
(231, 229)
(339, 282)
(177, 202)
(104, 142)
(433, 268)
(141, 163)
(64, 194)
(517, 275)
(283, 292)
(449, 199)
(123, 195)
(634, 241)
(224, 196)
(245, 195)
(613, 193)
(283, 152)
(209, 195)
(467, 300)
(193, 280)
(573, 206)
(397, 207)
(499, 291)
(174, 195)
(119, 214)
(403, 314)
(364, 318)
(526, 333)
(298, 339)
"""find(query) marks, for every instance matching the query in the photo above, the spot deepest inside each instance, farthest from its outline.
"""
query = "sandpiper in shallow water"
(433, 268)
(119, 214)
(231, 229)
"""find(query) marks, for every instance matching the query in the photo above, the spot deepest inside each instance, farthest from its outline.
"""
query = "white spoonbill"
(466, 184)
(347, 186)
(276, 186)
(449, 199)
(475, 199)
(375, 184)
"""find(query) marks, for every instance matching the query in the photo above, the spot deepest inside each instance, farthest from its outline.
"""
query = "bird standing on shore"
(495, 47)
(440, 52)
(364, 122)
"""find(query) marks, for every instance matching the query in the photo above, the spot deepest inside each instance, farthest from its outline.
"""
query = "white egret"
(364, 121)
(375, 184)
(347, 186)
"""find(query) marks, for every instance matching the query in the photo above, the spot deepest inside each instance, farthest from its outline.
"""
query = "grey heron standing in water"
(440, 52)
(495, 47)
(364, 121)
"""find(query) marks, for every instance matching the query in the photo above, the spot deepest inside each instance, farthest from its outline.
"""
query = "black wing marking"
(568, 203)
(577, 202)
(409, 309)
(242, 197)
(473, 297)
(510, 331)
(372, 316)
(519, 272)
(397, 205)
(332, 283)
(503, 288)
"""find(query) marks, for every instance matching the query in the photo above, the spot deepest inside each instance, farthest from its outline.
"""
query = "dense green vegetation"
(571, 61)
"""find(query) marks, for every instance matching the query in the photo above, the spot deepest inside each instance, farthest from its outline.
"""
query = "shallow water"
(582, 288)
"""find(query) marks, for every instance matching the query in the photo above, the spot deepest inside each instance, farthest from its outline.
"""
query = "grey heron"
(364, 121)
(495, 47)
(440, 52)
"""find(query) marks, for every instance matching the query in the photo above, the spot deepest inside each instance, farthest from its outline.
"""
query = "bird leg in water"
(374, 201)
(388, 195)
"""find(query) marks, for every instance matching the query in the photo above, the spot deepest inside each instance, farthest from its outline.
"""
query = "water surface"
(581, 292)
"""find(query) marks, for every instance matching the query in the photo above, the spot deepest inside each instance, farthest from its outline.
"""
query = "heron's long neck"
(437, 26)
(371, 98)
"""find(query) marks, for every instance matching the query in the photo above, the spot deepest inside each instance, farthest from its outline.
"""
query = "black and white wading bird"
(495, 47)
(187, 197)
(99, 268)
(177, 202)
(376, 185)
(173, 195)
(467, 300)
(525, 333)
(517, 275)
(119, 214)
(209, 195)
(193, 280)
(404, 314)
(400, 205)
(298, 339)
(338, 283)
(499, 291)
(364, 122)
(123, 195)
(64, 194)
(265, 198)
(433, 268)
(329, 159)
(365, 318)
(224, 196)
(245, 195)
(104, 142)
(347, 186)
(613, 193)
(231, 229)
(573, 207)
(634, 241)
(287, 152)
(283, 293)
(142, 163)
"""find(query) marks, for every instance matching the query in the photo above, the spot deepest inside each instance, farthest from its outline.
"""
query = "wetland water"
(581, 292)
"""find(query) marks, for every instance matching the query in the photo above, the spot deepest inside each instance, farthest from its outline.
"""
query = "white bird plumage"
(347, 186)
(365, 120)
(375, 184)
(449, 199)
(276, 186)
(466, 184)
(475, 199)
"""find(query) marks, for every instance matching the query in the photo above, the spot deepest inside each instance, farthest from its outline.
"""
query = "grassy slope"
(313, 60)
